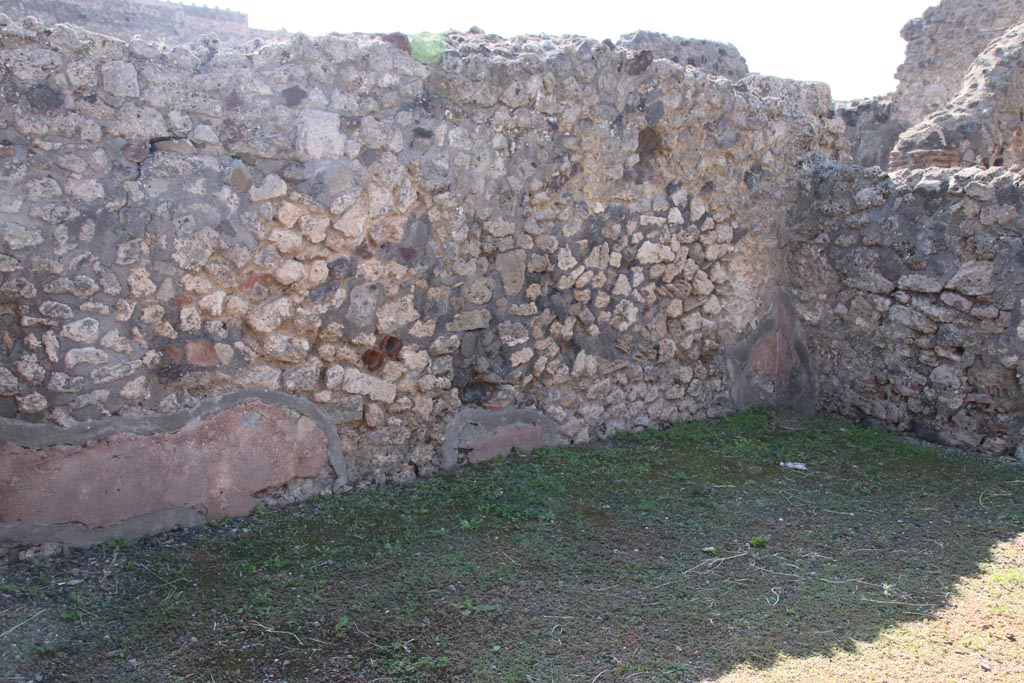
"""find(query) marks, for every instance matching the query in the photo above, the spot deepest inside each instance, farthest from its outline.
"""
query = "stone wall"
(982, 124)
(942, 45)
(957, 101)
(910, 289)
(872, 129)
(530, 241)
(171, 22)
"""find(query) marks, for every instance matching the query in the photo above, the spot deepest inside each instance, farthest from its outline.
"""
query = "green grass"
(675, 555)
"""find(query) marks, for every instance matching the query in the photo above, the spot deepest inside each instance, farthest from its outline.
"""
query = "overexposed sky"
(853, 46)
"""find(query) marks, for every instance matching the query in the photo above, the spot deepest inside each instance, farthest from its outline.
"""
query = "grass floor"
(688, 554)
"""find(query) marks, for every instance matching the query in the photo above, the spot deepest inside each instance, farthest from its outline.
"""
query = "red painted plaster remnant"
(773, 358)
(214, 466)
(501, 441)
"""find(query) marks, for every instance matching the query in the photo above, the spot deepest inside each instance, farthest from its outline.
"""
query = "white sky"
(853, 46)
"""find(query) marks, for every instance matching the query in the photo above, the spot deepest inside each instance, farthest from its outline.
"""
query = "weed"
(469, 607)
(757, 541)
(275, 563)
(470, 523)
(1009, 577)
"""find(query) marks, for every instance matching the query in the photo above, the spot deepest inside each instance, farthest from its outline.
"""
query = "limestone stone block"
(915, 320)
(120, 78)
(289, 272)
(30, 369)
(136, 123)
(477, 319)
(511, 267)
(192, 253)
(286, 348)
(213, 303)
(260, 377)
(394, 315)
(273, 186)
(63, 383)
(357, 382)
(86, 330)
(16, 236)
(32, 404)
(136, 390)
(87, 355)
(974, 278)
(361, 313)
(112, 373)
(286, 241)
(268, 316)
(980, 191)
(916, 282)
(318, 135)
(651, 252)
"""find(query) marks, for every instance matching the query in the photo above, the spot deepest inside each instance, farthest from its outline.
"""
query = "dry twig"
(267, 629)
(713, 563)
(22, 623)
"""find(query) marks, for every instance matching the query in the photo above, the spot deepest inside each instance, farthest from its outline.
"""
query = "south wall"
(566, 238)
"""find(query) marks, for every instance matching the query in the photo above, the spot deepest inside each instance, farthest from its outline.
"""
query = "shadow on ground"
(663, 556)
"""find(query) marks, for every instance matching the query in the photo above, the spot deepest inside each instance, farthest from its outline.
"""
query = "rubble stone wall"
(959, 99)
(910, 288)
(232, 275)
(982, 124)
(872, 129)
(564, 234)
(941, 46)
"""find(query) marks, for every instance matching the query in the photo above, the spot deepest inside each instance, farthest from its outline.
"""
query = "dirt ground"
(762, 547)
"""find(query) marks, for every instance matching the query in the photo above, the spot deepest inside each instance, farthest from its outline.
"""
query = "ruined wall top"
(171, 22)
(941, 46)
(176, 23)
(720, 59)
(980, 125)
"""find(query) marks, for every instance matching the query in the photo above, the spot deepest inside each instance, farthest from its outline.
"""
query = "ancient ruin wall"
(566, 239)
(941, 46)
(982, 124)
(170, 22)
(910, 289)
(954, 104)
(714, 58)
(872, 129)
